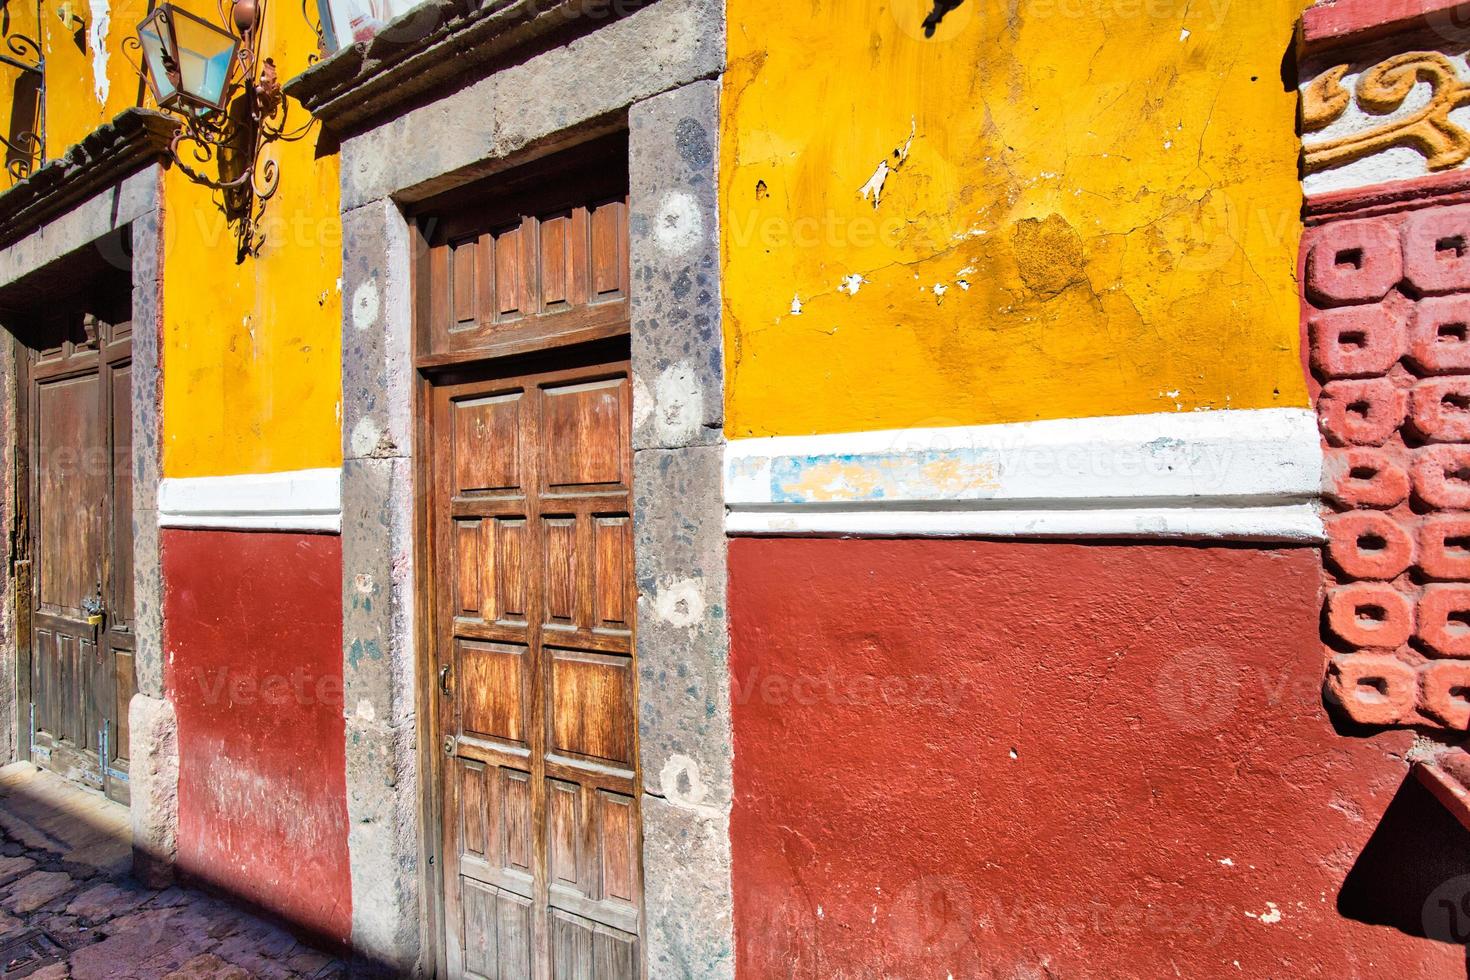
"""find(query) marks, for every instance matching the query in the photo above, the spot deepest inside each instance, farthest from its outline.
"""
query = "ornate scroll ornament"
(25, 149)
(236, 139)
(1381, 90)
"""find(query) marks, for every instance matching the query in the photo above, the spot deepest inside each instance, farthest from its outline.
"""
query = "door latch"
(92, 607)
(444, 680)
(449, 741)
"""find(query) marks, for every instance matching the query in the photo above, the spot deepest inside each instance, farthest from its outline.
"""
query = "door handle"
(444, 680)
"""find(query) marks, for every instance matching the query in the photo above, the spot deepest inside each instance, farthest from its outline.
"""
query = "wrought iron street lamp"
(189, 60)
(228, 101)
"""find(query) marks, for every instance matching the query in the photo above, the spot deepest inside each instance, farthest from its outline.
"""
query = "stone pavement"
(69, 909)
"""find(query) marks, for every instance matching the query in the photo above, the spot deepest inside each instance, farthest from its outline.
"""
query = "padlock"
(95, 619)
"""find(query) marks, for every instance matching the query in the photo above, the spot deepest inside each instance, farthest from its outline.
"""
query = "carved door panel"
(78, 549)
(532, 544)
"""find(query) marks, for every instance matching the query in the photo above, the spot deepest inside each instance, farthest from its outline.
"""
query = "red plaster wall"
(253, 652)
(976, 759)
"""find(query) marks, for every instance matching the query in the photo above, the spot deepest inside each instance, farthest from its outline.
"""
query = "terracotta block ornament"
(1362, 477)
(1444, 619)
(1361, 413)
(1439, 409)
(1357, 341)
(1439, 334)
(1444, 547)
(1370, 615)
(1354, 262)
(1374, 689)
(1437, 249)
(1386, 319)
(1442, 687)
(1369, 545)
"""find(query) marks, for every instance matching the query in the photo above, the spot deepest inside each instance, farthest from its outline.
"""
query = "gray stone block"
(686, 886)
(153, 779)
(377, 590)
(147, 603)
(383, 846)
(674, 254)
(657, 47)
(377, 347)
(683, 646)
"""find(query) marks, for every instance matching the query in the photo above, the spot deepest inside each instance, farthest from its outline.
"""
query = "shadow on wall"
(83, 839)
(1413, 875)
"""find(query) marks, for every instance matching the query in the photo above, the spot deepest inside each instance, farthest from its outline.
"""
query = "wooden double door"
(74, 573)
(531, 591)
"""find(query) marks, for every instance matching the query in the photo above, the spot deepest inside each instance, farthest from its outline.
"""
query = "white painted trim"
(299, 500)
(1240, 475)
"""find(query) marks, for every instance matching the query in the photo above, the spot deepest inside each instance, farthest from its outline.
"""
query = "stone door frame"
(655, 74)
(124, 223)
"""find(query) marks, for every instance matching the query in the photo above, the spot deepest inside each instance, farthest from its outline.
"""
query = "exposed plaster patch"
(365, 710)
(1270, 917)
(642, 403)
(795, 305)
(680, 602)
(365, 305)
(680, 782)
(678, 227)
(365, 436)
(678, 399)
(875, 183)
(851, 284)
(101, 22)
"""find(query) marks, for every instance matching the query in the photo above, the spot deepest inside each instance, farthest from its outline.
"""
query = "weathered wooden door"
(76, 573)
(533, 482)
(522, 322)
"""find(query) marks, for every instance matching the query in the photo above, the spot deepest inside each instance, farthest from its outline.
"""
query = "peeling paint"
(97, 29)
(933, 475)
(1097, 233)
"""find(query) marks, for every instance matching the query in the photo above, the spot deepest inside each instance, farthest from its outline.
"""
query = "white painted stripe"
(299, 500)
(1244, 475)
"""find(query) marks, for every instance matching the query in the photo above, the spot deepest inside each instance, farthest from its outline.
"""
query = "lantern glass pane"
(156, 39)
(205, 57)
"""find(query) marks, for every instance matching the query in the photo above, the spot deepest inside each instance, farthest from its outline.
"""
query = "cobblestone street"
(69, 909)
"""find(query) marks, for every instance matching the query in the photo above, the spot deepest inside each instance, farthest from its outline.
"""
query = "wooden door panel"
(531, 520)
(495, 691)
(541, 263)
(592, 706)
(498, 932)
(585, 442)
(584, 950)
(72, 494)
(79, 475)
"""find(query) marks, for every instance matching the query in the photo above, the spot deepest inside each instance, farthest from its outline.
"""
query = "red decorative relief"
(1388, 326)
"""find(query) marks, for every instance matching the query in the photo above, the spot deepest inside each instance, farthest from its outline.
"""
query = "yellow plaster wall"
(252, 351)
(75, 32)
(252, 377)
(88, 79)
(1092, 209)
